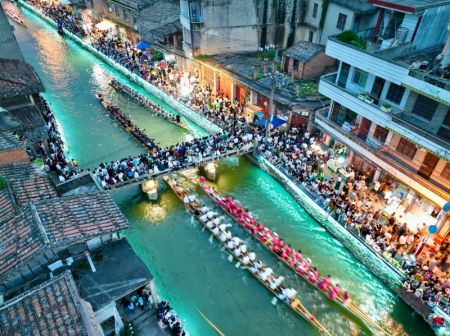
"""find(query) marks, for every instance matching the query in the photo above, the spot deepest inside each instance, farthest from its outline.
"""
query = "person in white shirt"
(276, 282)
(265, 274)
(192, 198)
(230, 244)
(257, 265)
(215, 231)
(203, 218)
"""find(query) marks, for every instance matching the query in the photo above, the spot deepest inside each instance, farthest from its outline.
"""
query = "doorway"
(377, 88)
(428, 165)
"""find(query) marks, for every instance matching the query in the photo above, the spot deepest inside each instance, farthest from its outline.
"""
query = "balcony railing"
(396, 115)
(431, 79)
(389, 158)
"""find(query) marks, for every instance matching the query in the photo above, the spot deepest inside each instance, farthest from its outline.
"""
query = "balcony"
(372, 150)
(371, 109)
(396, 64)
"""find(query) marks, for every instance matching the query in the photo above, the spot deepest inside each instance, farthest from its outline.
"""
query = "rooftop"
(119, 271)
(52, 308)
(9, 142)
(409, 6)
(27, 182)
(80, 217)
(359, 6)
(8, 44)
(159, 19)
(61, 221)
(304, 51)
(7, 205)
(244, 67)
(18, 78)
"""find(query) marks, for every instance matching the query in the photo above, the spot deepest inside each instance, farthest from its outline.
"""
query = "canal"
(190, 269)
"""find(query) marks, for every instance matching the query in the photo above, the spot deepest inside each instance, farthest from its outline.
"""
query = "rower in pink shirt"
(298, 255)
(288, 250)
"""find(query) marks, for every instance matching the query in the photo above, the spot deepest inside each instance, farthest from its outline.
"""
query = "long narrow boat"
(348, 305)
(174, 119)
(295, 305)
(15, 16)
(128, 125)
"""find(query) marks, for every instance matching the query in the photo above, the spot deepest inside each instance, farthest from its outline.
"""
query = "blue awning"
(276, 122)
(259, 115)
(143, 45)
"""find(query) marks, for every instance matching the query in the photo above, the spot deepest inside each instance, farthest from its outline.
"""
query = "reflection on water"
(192, 271)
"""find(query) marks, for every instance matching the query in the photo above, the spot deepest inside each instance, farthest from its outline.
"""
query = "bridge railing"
(244, 149)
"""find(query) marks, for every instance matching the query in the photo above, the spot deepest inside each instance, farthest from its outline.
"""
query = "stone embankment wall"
(380, 267)
(178, 106)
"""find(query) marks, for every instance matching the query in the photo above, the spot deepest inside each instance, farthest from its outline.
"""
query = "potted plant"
(368, 99)
(385, 107)
(363, 96)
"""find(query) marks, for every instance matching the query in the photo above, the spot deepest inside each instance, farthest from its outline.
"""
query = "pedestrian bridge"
(245, 149)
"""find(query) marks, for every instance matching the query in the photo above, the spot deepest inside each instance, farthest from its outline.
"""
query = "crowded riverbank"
(143, 224)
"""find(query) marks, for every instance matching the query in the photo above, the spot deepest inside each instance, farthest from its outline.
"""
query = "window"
(395, 93)
(425, 107)
(446, 171)
(125, 14)
(342, 18)
(360, 77)
(444, 133)
(110, 8)
(315, 9)
(447, 119)
(311, 36)
(406, 148)
(116, 10)
(380, 133)
(196, 12)
(343, 74)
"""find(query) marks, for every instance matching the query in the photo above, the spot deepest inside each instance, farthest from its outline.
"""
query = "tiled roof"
(6, 204)
(119, 272)
(159, 19)
(52, 308)
(18, 78)
(29, 117)
(80, 216)
(304, 51)
(27, 183)
(9, 142)
(359, 6)
(59, 221)
(20, 239)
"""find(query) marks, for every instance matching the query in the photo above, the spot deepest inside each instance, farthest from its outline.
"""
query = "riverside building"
(390, 107)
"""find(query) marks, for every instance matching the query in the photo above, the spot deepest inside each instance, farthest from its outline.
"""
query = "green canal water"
(190, 269)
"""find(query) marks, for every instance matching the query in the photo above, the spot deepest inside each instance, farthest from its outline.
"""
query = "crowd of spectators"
(359, 204)
(63, 16)
(356, 201)
(180, 156)
(52, 152)
(166, 76)
(167, 317)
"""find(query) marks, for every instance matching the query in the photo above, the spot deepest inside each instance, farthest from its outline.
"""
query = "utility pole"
(270, 112)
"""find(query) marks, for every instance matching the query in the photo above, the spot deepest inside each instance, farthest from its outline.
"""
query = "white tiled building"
(390, 102)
